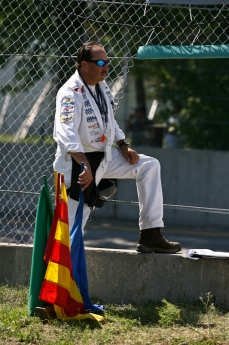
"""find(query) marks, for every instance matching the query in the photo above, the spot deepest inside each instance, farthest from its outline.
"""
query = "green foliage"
(201, 88)
(209, 309)
(169, 314)
(29, 139)
(44, 35)
(125, 324)
(37, 32)
(16, 295)
(41, 37)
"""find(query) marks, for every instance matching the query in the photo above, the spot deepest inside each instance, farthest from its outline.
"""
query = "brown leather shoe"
(152, 241)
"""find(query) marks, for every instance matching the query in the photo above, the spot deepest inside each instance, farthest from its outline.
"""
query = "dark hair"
(85, 52)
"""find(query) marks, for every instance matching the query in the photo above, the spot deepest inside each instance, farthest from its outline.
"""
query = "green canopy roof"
(183, 52)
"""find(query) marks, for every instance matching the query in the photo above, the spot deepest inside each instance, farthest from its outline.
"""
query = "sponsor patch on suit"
(66, 117)
(67, 106)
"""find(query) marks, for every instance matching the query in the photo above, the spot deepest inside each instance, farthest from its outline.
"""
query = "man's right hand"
(85, 178)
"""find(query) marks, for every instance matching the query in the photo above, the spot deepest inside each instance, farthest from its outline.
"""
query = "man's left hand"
(131, 155)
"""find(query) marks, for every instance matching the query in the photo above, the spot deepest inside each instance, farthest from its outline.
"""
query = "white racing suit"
(79, 127)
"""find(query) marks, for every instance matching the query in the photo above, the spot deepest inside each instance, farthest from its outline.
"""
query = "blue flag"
(78, 257)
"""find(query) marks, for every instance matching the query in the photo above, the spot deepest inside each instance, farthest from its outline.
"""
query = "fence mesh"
(39, 41)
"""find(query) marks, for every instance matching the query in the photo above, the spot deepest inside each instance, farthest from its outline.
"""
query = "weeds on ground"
(163, 323)
(169, 314)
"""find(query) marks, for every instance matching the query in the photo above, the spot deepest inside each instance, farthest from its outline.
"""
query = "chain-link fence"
(39, 41)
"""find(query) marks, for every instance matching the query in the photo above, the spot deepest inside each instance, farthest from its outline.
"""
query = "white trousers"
(148, 181)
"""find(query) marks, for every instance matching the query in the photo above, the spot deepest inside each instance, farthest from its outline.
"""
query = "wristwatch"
(124, 142)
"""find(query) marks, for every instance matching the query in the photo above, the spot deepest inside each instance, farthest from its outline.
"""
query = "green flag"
(43, 223)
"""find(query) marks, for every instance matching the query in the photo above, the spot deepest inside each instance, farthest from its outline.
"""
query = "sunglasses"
(99, 63)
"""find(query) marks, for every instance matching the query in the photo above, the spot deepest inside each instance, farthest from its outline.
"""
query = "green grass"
(29, 139)
(163, 323)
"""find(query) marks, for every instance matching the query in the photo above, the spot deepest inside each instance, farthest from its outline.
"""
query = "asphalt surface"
(121, 234)
(118, 234)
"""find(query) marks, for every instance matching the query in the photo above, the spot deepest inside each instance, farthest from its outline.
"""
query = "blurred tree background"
(42, 30)
(200, 88)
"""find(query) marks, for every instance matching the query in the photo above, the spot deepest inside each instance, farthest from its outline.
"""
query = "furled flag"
(78, 256)
(44, 216)
(59, 287)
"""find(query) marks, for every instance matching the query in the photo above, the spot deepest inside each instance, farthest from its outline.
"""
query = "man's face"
(96, 73)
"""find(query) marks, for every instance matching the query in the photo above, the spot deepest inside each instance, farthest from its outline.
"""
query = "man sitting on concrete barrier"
(85, 130)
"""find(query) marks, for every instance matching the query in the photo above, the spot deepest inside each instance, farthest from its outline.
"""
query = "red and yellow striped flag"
(59, 287)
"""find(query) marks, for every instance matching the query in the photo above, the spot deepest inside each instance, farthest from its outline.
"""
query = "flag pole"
(62, 178)
(57, 185)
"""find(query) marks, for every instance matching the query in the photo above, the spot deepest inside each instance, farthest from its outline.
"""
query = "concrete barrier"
(125, 276)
